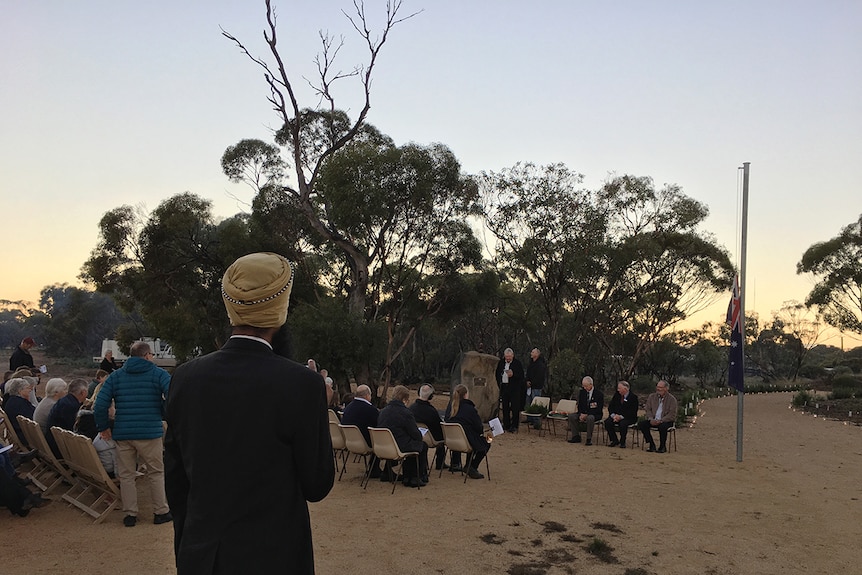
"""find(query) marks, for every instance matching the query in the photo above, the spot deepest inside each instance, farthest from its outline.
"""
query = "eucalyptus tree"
(312, 135)
(836, 264)
(659, 267)
(548, 232)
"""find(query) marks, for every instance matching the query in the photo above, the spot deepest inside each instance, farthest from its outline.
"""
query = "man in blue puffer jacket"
(138, 391)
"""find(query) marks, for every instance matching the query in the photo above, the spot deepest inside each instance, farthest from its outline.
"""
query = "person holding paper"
(428, 415)
(464, 412)
(510, 378)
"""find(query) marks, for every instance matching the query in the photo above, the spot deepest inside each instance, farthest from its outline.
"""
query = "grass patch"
(602, 550)
(636, 571)
(607, 527)
(527, 569)
(559, 556)
(536, 542)
(492, 539)
(568, 537)
(553, 527)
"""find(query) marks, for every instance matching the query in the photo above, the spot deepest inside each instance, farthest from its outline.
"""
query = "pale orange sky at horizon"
(98, 115)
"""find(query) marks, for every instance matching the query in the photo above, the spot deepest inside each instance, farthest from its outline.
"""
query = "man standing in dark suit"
(238, 482)
(591, 403)
(622, 412)
(510, 378)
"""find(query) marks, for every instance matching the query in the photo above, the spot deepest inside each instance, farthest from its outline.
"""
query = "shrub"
(802, 398)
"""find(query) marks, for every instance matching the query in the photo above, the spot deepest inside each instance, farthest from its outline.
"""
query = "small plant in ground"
(553, 526)
(571, 538)
(636, 571)
(492, 539)
(802, 398)
(607, 527)
(527, 569)
(602, 550)
(536, 542)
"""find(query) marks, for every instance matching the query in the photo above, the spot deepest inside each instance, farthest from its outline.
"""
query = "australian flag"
(735, 371)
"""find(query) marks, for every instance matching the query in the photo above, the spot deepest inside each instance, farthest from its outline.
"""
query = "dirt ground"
(792, 506)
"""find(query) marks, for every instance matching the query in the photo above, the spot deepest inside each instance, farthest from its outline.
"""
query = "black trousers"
(662, 427)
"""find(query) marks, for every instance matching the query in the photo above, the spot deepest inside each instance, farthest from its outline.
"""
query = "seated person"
(109, 364)
(591, 403)
(363, 415)
(399, 419)
(18, 403)
(427, 414)
(464, 412)
(14, 494)
(54, 390)
(101, 375)
(65, 411)
(622, 412)
(660, 410)
(107, 452)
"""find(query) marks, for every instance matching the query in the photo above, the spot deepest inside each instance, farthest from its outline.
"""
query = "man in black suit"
(622, 412)
(238, 482)
(591, 403)
(361, 413)
(427, 414)
(510, 378)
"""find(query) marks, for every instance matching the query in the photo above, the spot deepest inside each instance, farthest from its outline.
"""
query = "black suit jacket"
(517, 373)
(426, 413)
(361, 414)
(247, 445)
(595, 407)
(628, 408)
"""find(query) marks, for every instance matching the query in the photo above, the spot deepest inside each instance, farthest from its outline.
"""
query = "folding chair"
(561, 414)
(671, 438)
(50, 473)
(456, 440)
(339, 447)
(94, 492)
(432, 443)
(385, 448)
(354, 442)
(544, 424)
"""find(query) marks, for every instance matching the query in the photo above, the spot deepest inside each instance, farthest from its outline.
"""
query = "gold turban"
(256, 290)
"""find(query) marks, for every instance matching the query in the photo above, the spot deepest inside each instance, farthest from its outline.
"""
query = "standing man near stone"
(536, 377)
(510, 378)
(138, 390)
(238, 480)
(591, 403)
(660, 414)
(21, 357)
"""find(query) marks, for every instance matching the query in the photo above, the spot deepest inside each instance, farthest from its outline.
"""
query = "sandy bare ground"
(792, 506)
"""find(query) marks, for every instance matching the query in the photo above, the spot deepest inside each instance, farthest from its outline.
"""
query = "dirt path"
(792, 506)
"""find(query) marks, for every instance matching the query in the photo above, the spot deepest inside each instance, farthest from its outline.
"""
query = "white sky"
(105, 103)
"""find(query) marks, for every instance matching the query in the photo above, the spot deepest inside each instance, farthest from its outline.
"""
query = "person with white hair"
(510, 378)
(427, 414)
(18, 403)
(247, 515)
(54, 390)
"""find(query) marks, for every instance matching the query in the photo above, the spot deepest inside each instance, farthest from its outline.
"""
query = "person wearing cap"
(427, 414)
(21, 357)
(238, 484)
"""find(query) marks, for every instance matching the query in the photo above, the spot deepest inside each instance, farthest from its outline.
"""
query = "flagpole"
(743, 255)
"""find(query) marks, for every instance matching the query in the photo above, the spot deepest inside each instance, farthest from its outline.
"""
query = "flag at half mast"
(735, 372)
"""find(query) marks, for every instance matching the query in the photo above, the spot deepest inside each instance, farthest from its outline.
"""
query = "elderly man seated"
(54, 390)
(363, 415)
(660, 410)
(427, 414)
(399, 419)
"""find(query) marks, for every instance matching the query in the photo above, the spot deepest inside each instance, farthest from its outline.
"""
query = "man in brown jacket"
(660, 411)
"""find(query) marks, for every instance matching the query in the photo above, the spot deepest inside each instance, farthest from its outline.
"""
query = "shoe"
(160, 518)
(613, 443)
(23, 481)
(130, 520)
(622, 445)
(423, 481)
(651, 448)
(27, 456)
(36, 500)
(475, 474)
(575, 439)
(588, 443)
(412, 482)
(441, 466)
(661, 450)
(456, 468)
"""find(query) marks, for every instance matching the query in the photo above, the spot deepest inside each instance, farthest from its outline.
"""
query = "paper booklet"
(496, 427)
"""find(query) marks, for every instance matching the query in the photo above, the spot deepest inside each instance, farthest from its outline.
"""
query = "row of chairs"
(78, 475)
(348, 439)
